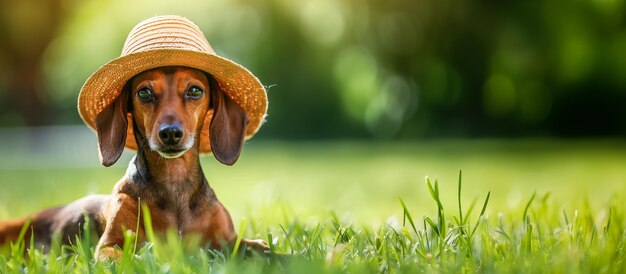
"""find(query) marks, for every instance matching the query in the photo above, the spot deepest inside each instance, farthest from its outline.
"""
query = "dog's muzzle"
(171, 137)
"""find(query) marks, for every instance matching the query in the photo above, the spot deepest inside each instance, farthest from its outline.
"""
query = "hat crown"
(166, 32)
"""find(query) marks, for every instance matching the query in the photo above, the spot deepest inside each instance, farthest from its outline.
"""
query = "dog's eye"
(145, 94)
(194, 92)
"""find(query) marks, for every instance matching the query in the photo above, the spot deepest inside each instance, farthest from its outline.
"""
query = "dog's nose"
(170, 134)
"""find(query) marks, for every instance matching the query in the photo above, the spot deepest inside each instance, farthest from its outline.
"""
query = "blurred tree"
(353, 68)
(27, 27)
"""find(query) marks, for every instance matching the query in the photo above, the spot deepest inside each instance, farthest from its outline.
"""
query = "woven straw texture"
(171, 41)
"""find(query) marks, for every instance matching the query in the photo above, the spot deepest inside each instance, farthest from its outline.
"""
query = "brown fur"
(175, 190)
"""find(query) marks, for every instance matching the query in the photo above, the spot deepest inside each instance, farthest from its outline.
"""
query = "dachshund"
(167, 106)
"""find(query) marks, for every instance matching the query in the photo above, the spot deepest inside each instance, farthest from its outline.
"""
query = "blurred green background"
(396, 69)
(366, 99)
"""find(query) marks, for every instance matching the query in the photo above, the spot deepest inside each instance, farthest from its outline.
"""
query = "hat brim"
(105, 85)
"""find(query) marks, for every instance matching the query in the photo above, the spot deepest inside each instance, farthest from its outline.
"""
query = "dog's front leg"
(121, 215)
(221, 229)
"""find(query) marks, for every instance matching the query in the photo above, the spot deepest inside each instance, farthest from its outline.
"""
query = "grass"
(458, 225)
(541, 239)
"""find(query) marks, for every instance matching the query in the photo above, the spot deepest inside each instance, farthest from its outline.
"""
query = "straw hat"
(171, 41)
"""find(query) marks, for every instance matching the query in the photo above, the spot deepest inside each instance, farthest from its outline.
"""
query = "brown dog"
(168, 105)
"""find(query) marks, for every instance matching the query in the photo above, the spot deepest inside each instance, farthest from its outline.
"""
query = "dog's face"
(169, 106)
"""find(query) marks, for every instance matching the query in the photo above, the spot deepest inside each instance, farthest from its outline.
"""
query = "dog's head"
(169, 106)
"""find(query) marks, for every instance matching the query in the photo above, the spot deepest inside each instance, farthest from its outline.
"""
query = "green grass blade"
(407, 215)
(432, 224)
(147, 223)
(469, 211)
(434, 192)
(242, 228)
(482, 212)
(137, 225)
(459, 195)
(528, 205)
(431, 190)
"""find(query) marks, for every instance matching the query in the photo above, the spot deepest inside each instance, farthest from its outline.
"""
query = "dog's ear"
(111, 126)
(228, 126)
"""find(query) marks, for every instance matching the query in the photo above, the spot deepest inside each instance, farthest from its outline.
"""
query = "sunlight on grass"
(361, 181)
(526, 206)
(534, 238)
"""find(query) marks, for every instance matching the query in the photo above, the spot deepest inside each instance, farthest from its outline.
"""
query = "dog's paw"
(108, 254)
(256, 245)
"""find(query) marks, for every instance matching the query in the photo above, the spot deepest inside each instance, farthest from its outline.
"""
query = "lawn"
(553, 206)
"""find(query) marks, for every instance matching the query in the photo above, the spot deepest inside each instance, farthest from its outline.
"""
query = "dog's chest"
(182, 218)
